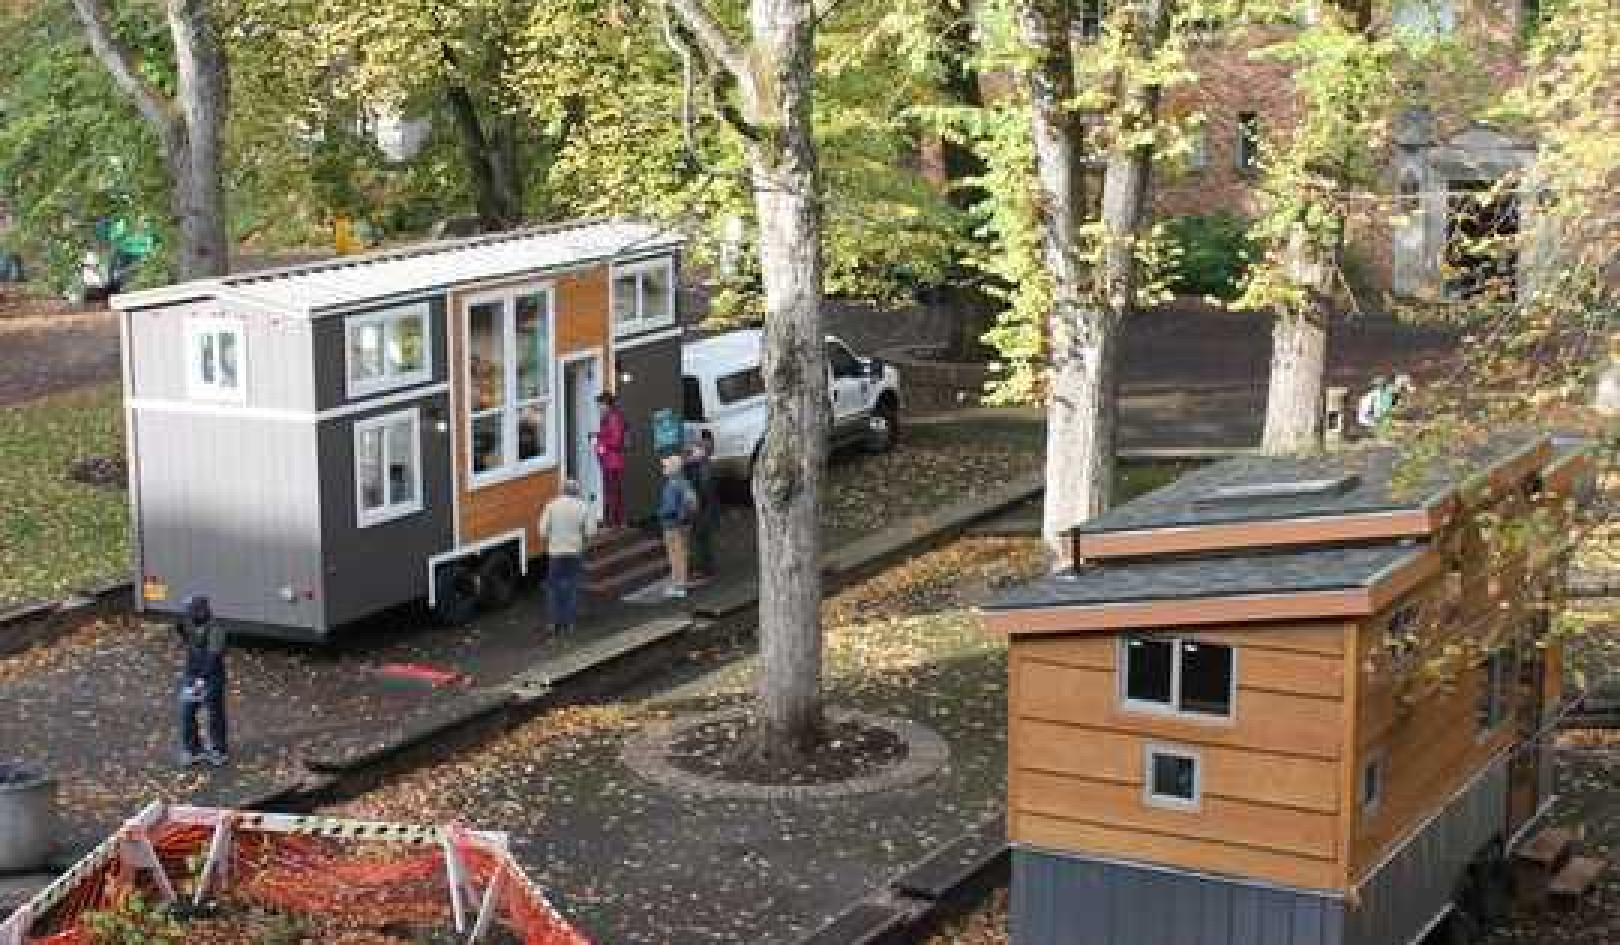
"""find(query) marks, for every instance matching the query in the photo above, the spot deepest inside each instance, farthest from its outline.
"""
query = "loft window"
(388, 467)
(509, 380)
(643, 296)
(1248, 142)
(1371, 787)
(214, 359)
(1172, 777)
(387, 349)
(1186, 676)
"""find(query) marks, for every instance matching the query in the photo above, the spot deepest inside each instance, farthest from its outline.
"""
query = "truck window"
(691, 400)
(843, 363)
(740, 385)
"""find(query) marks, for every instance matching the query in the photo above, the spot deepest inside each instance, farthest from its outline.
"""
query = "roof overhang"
(1227, 536)
(1344, 603)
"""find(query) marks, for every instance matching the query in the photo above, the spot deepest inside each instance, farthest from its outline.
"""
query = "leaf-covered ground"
(55, 534)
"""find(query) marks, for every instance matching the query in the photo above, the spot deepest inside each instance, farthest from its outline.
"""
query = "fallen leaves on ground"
(986, 925)
(87, 633)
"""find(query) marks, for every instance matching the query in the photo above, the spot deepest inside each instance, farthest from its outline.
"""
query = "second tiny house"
(310, 446)
(1287, 702)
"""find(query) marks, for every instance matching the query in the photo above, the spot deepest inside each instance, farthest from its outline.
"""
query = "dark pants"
(612, 498)
(214, 703)
(563, 573)
(703, 529)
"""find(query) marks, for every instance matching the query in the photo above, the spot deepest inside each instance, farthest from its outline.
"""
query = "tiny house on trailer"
(312, 445)
(1222, 731)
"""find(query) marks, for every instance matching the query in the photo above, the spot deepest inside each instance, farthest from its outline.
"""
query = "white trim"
(1174, 709)
(132, 459)
(641, 322)
(291, 416)
(1153, 798)
(635, 341)
(519, 535)
(510, 437)
(387, 512)
(216, 326)
(565, 412)
(385, 317)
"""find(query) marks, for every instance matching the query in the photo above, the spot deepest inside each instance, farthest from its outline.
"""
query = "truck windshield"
(691, 400)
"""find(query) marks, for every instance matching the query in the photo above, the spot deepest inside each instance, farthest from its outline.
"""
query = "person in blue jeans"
(202, 684)
(566, 526)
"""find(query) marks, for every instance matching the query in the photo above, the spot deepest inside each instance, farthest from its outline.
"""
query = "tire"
(884, 426)
(497, 581)
(456, 591)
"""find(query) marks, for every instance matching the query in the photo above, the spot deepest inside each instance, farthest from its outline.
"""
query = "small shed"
(311, 445)
(1232, 726)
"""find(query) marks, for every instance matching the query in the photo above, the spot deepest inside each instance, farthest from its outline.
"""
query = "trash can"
(27, 817)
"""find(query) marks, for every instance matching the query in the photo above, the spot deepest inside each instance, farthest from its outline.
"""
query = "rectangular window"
(1498, 673)
(509, 383)
(1089, 24)
(388, 467)
(1248, 142)
(1401, 638)
(1371, 790)
(1186, 676)
(1198, 149)
(215, 359)
(643, 296)
(387, 349)
(1172, 777)
(742, 385)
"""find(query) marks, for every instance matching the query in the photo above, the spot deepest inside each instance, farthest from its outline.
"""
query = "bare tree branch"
(714, 39)
(679, 41)
(153, 107)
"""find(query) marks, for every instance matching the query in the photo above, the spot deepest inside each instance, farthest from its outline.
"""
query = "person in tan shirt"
(566, 526)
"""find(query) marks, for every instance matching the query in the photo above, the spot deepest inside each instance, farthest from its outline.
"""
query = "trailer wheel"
(497, 581)
(456, 591)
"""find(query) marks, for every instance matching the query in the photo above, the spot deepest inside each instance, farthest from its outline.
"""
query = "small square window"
(643, 296)
(1172, 777)
(1371, 790)
(215, 359)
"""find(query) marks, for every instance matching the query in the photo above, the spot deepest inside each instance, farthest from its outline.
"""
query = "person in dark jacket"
(677, 504)
(700, 473)
(202, 684)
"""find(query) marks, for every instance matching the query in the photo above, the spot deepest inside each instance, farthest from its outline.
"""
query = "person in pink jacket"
(610, 456)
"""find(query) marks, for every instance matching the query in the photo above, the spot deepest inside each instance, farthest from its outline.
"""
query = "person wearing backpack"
(699, 472)
(202, 684)
(677, 505)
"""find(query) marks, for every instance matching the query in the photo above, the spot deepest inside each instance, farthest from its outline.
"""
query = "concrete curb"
(27, 625)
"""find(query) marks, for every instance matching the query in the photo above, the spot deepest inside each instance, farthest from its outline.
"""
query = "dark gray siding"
(372, 568)
(1399, 900)
(1062, 899)
(330, 352)
(228, 509)
(275, 355)
(655, 371)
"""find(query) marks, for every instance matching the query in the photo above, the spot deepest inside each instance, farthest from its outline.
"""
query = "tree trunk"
(787, 477)
(1082, 335)
(490, 163)
(188, 127)
(1294, 403)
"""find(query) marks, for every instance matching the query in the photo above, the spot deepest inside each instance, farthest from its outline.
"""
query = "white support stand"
(486, 909)
(453, 874)
(135, 850)
(215, 869)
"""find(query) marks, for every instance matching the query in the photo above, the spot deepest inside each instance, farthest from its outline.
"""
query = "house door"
(582, 381)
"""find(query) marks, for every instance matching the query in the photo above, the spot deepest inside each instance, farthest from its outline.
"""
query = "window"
(843, 363)
(1248, 142)
(387, 349)
(1198, 149)
(1186, 676)
(1401, 638)
(1089, 24)
(740, 386)
(215, 359)
(509, 380)
(1371, 789)
(1172, 777)
(1425, 17)
(643, 296)
(388, 467)
(692, 400)
(1497, 677)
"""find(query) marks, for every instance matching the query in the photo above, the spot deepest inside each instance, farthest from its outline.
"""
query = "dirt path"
(49, 347)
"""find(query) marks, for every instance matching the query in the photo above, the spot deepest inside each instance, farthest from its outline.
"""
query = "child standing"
(202, 684)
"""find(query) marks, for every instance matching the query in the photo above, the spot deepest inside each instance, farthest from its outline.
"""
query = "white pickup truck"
(724, 392)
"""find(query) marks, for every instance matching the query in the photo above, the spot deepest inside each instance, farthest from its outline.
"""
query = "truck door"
(848, 384)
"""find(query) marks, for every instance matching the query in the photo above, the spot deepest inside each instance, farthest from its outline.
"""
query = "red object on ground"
(421, 672)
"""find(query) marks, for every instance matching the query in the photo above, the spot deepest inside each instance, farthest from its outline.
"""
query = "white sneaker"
(675, 592)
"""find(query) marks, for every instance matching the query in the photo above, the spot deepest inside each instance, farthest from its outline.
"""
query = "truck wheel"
(456, 592)
(497, 581)
(883, 427)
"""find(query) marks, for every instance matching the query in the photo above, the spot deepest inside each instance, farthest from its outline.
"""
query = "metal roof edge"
(192, 291)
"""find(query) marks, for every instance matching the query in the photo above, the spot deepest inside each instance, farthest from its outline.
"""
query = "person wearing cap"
(566, 526)
(609, 443)
(699, 471)
(202, 684)
(677, 503)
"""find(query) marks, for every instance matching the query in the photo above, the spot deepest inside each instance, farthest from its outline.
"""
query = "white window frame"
(197, 387)
(1174, 707)
(514, 467)
(1151, 797)
(641, 322)
(387, 318)
(387, 512)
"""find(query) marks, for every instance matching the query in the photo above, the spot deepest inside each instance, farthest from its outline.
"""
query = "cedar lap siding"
(1338, 801)
(251, 494)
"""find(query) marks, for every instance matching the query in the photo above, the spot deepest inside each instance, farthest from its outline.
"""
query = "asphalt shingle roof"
(1270, 572)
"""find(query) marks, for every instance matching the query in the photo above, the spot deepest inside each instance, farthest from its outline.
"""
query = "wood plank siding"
(1271, 775)
(582, 322)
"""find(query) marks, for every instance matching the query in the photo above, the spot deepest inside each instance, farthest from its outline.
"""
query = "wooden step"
(1576, 878)
(1549, 848)
(623, 557)
(629, 579)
